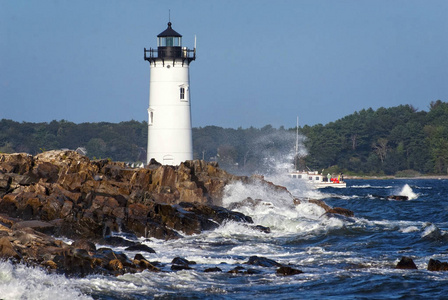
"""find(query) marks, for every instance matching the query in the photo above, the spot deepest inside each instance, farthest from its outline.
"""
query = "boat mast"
(296, 156)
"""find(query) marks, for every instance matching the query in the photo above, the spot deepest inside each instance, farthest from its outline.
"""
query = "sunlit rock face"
(87, 197)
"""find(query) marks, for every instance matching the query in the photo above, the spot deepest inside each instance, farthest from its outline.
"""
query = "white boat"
(313, 178)
(316, 180)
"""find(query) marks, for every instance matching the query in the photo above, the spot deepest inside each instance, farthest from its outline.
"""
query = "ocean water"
(341, 258)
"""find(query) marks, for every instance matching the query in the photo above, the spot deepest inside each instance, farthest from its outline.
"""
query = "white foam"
(21, 282)
(275, 209)
(431, 231)
(409, 229)
(367, 186)
(407, 191)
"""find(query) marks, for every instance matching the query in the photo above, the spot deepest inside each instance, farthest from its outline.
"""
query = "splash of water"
(276, 209)
(21, 282)
(277, 151)
(407, 191)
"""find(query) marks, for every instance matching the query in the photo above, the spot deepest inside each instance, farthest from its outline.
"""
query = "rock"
(5, 182)
(115, 265)
(144, 264)
(40, 226)
(406, 263)
(175, 217)
(18, 163)
(261, 228)
(49, 264)
(179, 263)
(66, 194)
(241, 270)
(288, 271)
(215, 269)
(116, 241)
(180, 267)
(248, 202)
(89, 197)
(79, 259)
(140, 247)
(341, 211)
(8, 221)
(7, 250)
(182, 261)
(436, 265)
(217, 213)
(320, 203)
(331, 211)
(46, 171)
(237, 270)
(84, 244)
(262, 261)
(138, 256)
(398, 197)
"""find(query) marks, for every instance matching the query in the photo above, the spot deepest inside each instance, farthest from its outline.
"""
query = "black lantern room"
(169, 46)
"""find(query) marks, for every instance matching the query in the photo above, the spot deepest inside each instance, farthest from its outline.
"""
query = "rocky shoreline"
(55, 195)
(61, 194)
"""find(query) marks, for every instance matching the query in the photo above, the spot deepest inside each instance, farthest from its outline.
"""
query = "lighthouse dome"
(169, 32)
(169, 38)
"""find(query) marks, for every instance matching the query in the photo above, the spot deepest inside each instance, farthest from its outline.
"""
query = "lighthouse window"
(169, 41)
(151, 117)
(182, 93)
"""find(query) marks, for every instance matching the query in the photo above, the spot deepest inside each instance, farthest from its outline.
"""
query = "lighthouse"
(169, 113)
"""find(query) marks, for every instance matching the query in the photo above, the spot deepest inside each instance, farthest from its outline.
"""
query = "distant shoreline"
(394, 177)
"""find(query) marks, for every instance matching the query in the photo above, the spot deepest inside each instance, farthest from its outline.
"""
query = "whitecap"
(409, 229)
(21, 282)
(432, 232)
(407, 191)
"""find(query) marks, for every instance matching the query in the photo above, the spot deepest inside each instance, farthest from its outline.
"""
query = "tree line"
(388, 141)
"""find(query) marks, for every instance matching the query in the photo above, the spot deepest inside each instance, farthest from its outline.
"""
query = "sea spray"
(276, 151)
(407, 191)
(22, 282)
(276, 210)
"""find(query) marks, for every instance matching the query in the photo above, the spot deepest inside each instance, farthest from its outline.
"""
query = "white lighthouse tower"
(169, 125)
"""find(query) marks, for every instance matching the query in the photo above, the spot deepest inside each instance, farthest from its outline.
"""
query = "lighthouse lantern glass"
(169, 41)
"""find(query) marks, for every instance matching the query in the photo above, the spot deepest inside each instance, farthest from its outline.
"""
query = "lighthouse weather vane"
(169, 114)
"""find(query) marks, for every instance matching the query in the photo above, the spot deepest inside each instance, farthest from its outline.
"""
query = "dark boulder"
(214, 269)
(288, 271)
(77, 264)
(262, 262)
(179, 263)
(141, 262)
(140, 247)
(180, 267)
(7, 250)
(398, 197)
(40, 226)
(261, 228)
(237, 270)
(437, 265)
(216, 213)
(406, 263)
(242, 270)
(341, 211)
(84, 244)
(182, 261)
(116, 241)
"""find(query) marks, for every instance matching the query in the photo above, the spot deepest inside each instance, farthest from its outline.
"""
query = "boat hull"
(317, 181)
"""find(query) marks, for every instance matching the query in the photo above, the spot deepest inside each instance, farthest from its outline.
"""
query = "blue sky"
(258, 62)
